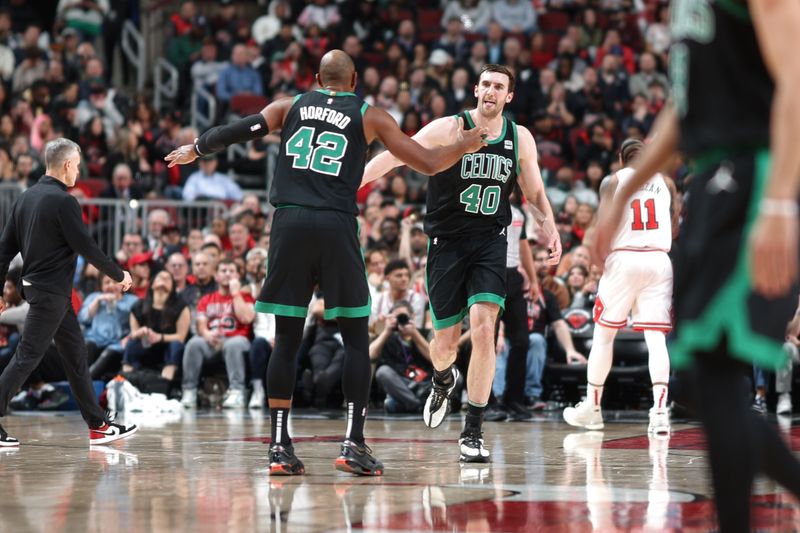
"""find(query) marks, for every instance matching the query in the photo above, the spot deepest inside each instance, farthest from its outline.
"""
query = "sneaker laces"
(473, 439)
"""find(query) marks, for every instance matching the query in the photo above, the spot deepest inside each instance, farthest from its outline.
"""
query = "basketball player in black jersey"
(736, 77)
(467, 215)
(324, 139)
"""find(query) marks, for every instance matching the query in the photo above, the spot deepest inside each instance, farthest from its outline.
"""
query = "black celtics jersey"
(323, 152)
(720, 85)
(472, 196)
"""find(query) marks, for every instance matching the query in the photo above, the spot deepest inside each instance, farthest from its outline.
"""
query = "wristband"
(778, 208)
(197, 150)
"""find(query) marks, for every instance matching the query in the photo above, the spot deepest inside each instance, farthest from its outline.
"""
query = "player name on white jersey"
(647, 224)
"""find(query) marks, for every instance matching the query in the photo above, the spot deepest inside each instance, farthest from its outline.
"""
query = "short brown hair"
(502, 69)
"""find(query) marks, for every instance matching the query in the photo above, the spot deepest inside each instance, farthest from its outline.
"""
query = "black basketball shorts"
(465, 270)
(311, 247)
(713, 290)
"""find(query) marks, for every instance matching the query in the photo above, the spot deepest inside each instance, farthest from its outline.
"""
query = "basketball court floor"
(206, 471)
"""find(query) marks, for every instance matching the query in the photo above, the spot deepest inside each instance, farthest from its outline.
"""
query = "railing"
(166, 82)
(108, 220)
(133, 46)
(9, 192)
(204, 108)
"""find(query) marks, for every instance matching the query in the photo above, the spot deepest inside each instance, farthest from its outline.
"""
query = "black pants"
(51, 317)
(515, 319)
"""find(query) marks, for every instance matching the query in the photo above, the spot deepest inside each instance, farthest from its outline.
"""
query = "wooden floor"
(206, 472)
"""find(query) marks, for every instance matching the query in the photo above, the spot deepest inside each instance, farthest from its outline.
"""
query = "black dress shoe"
(517, 411)
(494, 414)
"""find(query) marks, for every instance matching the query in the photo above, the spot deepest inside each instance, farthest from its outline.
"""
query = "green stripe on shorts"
(347, 312)
(295, 311)
(487, 297)
(727, 313)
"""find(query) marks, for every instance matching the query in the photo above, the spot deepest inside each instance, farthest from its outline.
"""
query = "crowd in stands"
(589, 73)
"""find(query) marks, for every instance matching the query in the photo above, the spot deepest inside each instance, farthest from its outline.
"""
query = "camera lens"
(402, 319)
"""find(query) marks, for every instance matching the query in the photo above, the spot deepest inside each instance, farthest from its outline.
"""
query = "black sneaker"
(516, 411)
(472, 448)
(357, 459)
(283, 461)
(494, 413)
(6, 441)
(437, 406)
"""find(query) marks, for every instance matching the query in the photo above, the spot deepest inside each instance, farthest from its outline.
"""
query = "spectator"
(591, 33)
(453, 40)
(202, 271)
(194, 241)
(206, 70)
(269, 25)
(213, 251)
(584, 216)
(515, 16)
(140, 266)
(224, 320)
(474, 14)
(85, 16)
(404, 362)
(595, 144)
(260, 351)
(12, 319)
(157, 220)
(325, 357)
(239, 77)
(547, 281)
(208, 184)
(375, 260)
(255, 268)
(413, 244)
(240, 241)
(159, 324)
(32, 68)
(398, 278)
(581, 289)
(546, 313)
(658, 33)
(647, 74)
(319, 13)
(122, 186)
(178, 267)
(612, 45)
(104, 316)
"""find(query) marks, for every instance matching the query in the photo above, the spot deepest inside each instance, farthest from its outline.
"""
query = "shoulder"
(527, 145)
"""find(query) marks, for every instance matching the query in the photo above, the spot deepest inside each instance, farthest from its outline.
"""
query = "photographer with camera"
(404, 361)
(397, 276)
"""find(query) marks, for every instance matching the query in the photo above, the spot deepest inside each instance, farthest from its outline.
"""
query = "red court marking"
(338, 438)
(769, 512)
(685, 439)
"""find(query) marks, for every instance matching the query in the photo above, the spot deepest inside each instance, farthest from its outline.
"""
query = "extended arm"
(246, 129)
(436, 147)
(530, 181)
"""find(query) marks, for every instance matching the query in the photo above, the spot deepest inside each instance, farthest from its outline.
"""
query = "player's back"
(647, 222)
(323, 152)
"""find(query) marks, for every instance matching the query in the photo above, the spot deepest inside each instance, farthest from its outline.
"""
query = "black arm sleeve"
(9, 247)
(81, 242)
(220, 137)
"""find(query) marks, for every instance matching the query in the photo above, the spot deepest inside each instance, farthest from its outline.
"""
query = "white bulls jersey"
(647, 224)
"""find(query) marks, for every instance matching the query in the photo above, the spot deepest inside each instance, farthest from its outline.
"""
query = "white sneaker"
(437, 406)
(659, 422)
(189, 398)
(584, 415)
(234, 400)
(784, 404)
(257, 398)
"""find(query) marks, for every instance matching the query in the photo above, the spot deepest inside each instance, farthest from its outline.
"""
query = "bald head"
(336, 70)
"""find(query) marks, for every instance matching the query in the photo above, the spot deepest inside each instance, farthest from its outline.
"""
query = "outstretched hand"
(182, 155)
(474, 139)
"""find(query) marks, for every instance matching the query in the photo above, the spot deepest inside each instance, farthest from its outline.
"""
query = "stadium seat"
(554, 21)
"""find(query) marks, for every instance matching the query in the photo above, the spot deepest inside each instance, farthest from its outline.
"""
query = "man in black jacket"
(47, 228)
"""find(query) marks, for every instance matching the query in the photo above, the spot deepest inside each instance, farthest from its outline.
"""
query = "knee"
(235, 345)
(384, 373)
(194, 346)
